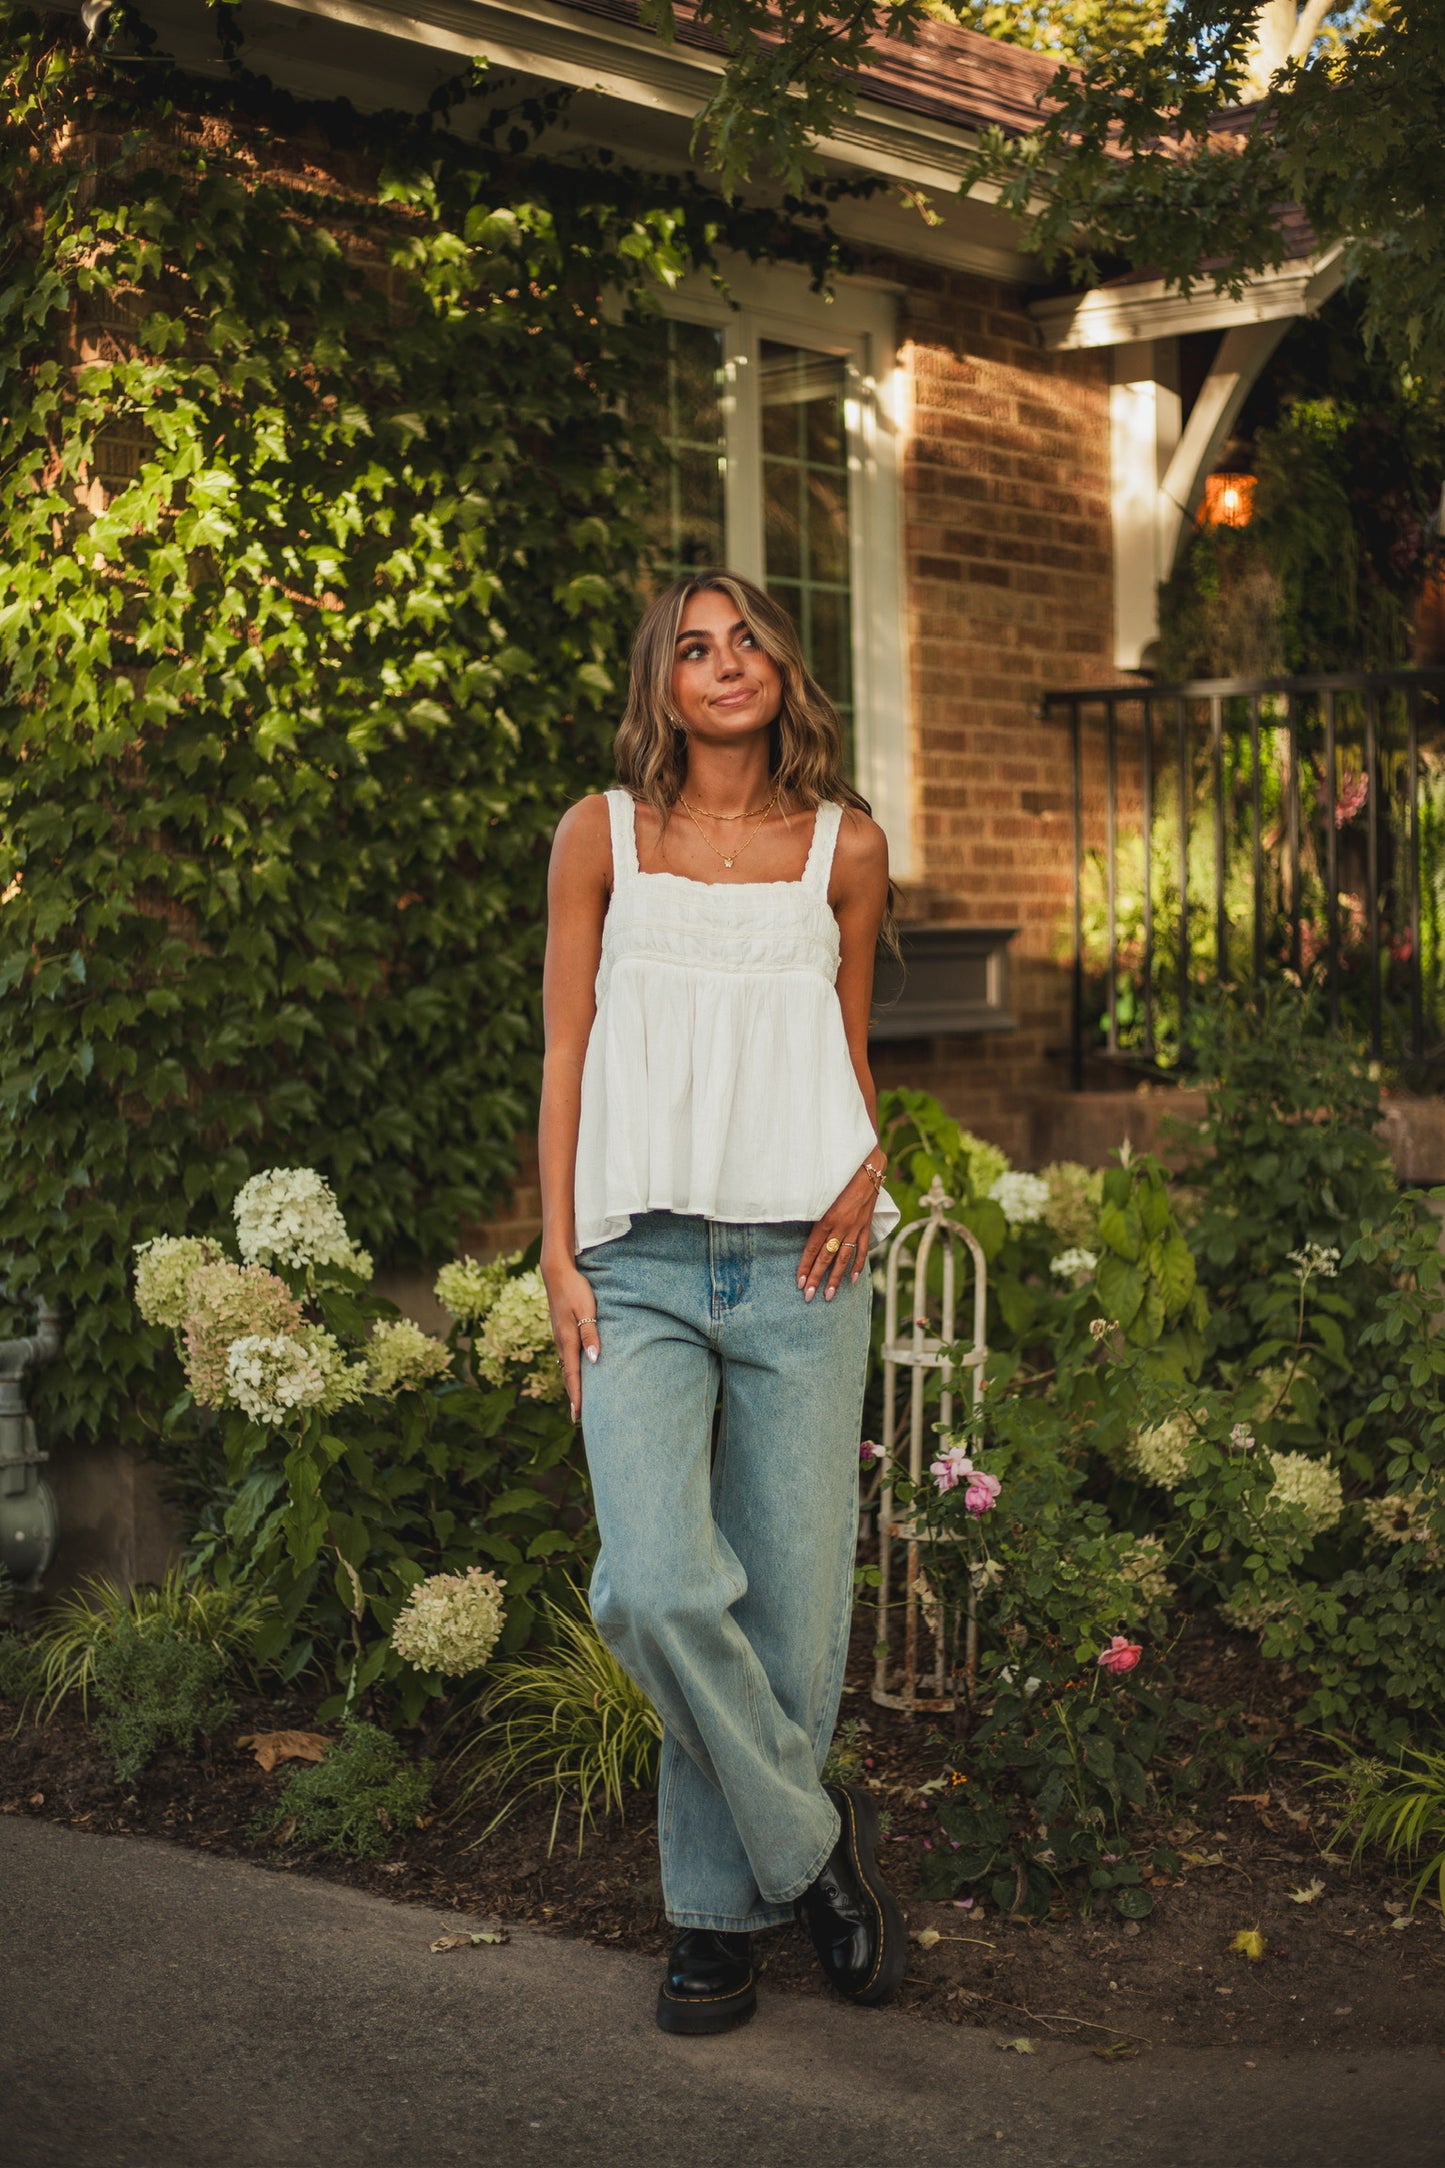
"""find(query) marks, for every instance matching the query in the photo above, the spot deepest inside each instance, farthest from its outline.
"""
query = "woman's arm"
(578, 882)
(858, 893)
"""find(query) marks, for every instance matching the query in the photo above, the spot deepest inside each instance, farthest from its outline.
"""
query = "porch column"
(1144, 425)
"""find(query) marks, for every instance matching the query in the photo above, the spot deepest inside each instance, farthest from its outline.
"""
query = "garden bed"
(1343, 1970)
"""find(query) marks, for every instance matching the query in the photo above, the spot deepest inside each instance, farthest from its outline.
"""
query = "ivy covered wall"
(317, 564)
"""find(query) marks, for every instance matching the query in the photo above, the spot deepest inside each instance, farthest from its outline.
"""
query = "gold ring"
(584, 1321)
(831, 1244)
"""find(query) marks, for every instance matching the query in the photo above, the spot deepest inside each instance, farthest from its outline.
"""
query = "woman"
(712, 1183)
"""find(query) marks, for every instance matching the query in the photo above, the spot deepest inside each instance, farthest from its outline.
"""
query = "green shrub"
(567, 1719)
(390, 1457)
(283, 744)
(181, 1606)
(19, 1668)
(1397, 1809)
(356, 1802)
(153, 1689)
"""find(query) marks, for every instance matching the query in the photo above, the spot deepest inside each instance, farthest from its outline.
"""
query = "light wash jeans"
(724, 1585)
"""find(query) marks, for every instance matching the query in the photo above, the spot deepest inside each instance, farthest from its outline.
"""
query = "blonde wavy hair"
(805, 743)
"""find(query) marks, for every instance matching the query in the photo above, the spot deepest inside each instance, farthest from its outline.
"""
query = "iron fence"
(1251, 826)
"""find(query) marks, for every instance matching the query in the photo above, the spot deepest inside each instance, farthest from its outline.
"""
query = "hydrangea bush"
(1218, 1390)
(371, 1477)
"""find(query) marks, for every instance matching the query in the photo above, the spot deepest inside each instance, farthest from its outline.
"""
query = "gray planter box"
(954, 984)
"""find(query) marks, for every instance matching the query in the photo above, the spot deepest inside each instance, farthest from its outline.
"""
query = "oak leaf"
(271, 1747)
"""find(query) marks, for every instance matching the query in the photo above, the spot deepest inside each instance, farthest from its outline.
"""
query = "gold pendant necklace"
(739, 848)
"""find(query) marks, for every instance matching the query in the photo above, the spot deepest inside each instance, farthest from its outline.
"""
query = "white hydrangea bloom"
(468, 1288)
(1143, 1566)
(399, 1355)
(1024, 1198)
(343, 1381)
(450, 1622)
(983, 1163)
(1273, 1390)
(1075, 1265)
(1311, 1485)
(163, 1268)
(1252, 1614)
(1402, 1517)
(1161, 1453)
(518, 1329)
(273, 1376)
(289, 1216)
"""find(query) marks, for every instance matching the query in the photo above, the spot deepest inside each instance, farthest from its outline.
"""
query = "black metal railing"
(1258, 825)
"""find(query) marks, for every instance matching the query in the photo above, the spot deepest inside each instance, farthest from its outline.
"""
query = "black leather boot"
(709, 1985)
(857, 1928)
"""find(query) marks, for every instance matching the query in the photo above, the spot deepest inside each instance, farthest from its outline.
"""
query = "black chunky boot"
(709, 1985)
(857, 1928)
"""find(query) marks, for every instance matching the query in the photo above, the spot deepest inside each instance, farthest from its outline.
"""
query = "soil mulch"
(1349, 1969)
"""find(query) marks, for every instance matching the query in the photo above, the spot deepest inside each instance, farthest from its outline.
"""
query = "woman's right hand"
(574, 1326)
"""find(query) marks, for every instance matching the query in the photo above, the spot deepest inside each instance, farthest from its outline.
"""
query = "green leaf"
(1119, 1288)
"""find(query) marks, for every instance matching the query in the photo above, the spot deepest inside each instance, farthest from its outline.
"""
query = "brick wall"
(1009, 570)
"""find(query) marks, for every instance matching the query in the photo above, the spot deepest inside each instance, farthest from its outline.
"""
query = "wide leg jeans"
(724, 1584)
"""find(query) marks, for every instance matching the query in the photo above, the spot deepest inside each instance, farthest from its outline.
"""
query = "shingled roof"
(958, 77)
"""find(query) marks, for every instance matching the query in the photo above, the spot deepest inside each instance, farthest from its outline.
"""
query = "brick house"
(1010, 472)
(966, 486)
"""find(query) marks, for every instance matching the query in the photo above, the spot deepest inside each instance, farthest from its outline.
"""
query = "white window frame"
(858, 325)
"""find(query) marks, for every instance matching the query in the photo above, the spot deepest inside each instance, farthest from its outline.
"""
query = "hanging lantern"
(1228, 501)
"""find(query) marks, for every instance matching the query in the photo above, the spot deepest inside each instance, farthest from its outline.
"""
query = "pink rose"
(1120, 1656)
(982, 1491)
(952, 1467)
(869, 1451)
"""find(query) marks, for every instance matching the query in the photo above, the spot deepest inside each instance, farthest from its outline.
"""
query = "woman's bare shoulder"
(582, 840)
(862, 847)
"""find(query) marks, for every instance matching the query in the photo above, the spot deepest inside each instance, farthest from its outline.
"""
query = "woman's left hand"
(838, 1243)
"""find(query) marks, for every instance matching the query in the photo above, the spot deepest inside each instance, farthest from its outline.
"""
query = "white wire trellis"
(896, 1676)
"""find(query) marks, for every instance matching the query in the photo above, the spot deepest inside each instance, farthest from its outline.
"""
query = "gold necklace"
(739, 848)
(749, 815)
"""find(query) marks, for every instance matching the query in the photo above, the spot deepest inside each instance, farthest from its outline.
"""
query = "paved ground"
(163, 2009)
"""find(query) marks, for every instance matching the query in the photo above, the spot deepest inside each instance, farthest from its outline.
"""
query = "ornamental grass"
(568, 1720)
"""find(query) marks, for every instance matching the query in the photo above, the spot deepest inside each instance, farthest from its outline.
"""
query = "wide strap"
(819, 870)
(620, 813)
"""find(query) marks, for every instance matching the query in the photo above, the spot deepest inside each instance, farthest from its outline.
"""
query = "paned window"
(775, 414)
(806, 556)
(682, 407)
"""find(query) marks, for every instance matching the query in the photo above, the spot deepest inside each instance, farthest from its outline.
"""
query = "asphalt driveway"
(160, 2008)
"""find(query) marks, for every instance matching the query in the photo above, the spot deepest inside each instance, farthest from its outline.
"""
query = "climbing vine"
(317, 563)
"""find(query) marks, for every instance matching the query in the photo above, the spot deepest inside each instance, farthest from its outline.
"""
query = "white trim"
(859, 325)
(1242, 354)
(1144, 420)
(537, 37)
(1158, 470)
(1153, 309)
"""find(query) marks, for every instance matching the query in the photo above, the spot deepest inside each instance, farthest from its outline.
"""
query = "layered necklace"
(729, 858)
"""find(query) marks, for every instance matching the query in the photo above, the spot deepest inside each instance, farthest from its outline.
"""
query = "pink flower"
(1350, 799)
(869, 1451)
(1120, 1656)
(982, 1491)
(951, 1467)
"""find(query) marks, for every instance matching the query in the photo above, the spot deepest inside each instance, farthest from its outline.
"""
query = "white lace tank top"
(718, 1080)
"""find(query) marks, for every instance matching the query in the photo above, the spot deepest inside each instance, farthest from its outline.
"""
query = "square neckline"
(637, 872)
